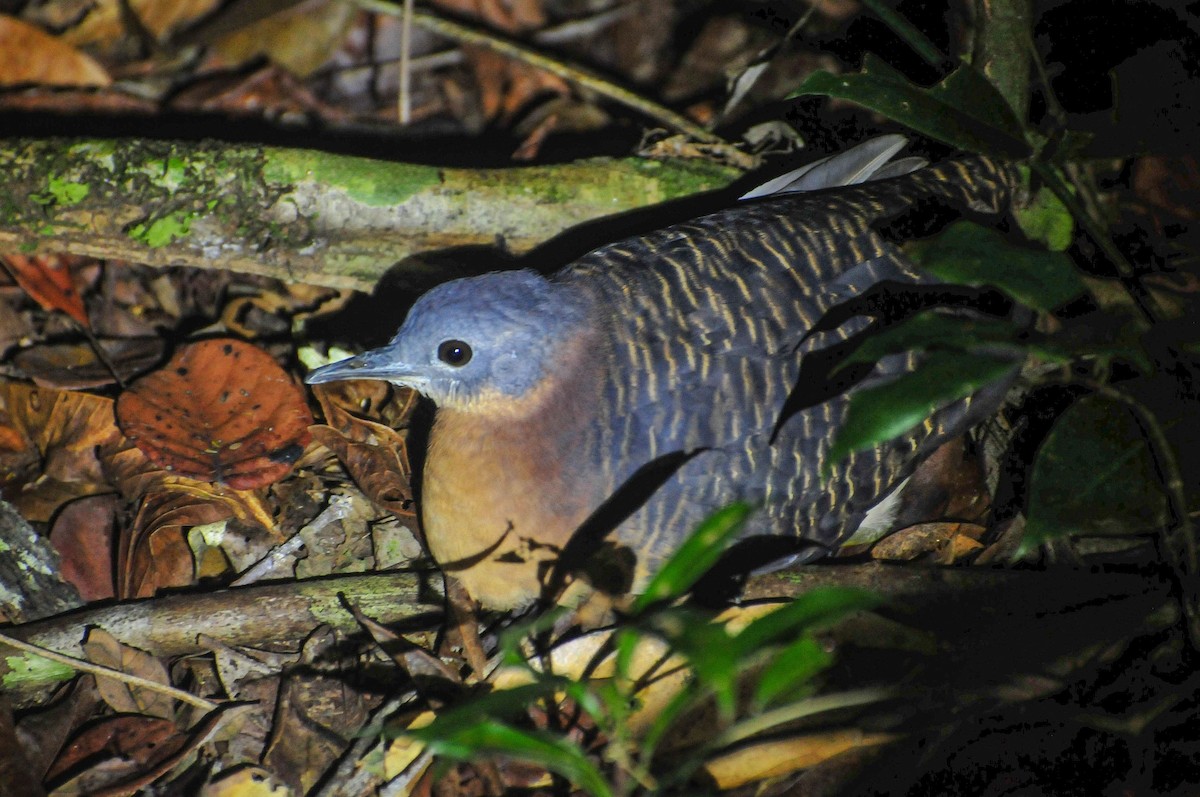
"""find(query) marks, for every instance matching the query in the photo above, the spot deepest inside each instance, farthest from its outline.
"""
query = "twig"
(106, 672)
(1163, 456)
(558, 34)
(405, 95)
(569, 72)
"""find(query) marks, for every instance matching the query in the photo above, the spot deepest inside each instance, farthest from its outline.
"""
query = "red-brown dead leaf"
(30, 55)
(47, 278)
(141, 741)
(101, 647)
(221, 411)
(140, 752)
(83, 534)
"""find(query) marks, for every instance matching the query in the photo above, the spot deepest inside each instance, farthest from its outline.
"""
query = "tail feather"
(870, 160)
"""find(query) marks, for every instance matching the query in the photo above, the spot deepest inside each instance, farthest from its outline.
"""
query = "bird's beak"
(375, 364)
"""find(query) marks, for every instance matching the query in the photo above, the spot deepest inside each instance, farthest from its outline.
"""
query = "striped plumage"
(688, 338)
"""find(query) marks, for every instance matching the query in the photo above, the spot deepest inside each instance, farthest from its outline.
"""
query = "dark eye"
(454, 352)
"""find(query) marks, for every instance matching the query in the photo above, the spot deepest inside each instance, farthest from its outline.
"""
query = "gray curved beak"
(375, 364)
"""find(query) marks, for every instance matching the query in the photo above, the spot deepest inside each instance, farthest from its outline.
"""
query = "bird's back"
(709, 322)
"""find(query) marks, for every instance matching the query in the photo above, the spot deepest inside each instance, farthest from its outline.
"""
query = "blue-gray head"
(471, 341)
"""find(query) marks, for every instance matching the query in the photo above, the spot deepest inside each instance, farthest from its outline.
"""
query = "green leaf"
(968, 254)
(964, 110)
(511, 640)
(796, 664)
(1094, 474)
(879, 414)
(709, 651)
(498, 704)
(914, 38)
(699, 552)
(818, 606)
(936, 330)
(1046, 220)
(491, 737)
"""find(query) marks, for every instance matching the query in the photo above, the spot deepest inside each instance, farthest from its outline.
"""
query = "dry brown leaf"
(103, 26)
(138, 740)
(344, 403)
(146, 755)
(314, 714)
(780, 757)
(75, 366)
(374, 454)
(153, 552)
(381, 470)
(220, 411)
(101, 647)
(510, 16)
(30, 55)
(947, 542)
(301, 38)
(48, 280)
(84, 535)
(48, 442)
(1170, 186)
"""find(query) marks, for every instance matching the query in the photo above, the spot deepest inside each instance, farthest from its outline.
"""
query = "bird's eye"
(454, 352)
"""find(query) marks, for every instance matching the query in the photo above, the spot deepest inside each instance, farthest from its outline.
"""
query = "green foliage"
(695, 557)
(1047, 220)
(968, 254)
(879, 414)
(963, 110)
(958, 354)
(1104, 468)
(768, 665)
(1094, 475)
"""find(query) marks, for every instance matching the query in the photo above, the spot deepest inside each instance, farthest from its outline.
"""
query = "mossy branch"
(304, 215)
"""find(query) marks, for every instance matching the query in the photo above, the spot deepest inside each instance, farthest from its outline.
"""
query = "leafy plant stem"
(1053, 180)
(914, 38)
(107, 672)
(1183, 566)
(999, 23)
(794, 711)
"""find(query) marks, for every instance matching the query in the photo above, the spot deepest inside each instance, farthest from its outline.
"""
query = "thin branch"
(578, 75)
(405, 95)
(107, 672)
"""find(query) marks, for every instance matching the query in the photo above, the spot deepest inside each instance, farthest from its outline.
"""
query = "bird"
(553, 389)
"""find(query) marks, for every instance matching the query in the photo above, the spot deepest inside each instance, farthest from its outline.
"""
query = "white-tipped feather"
(862, 162)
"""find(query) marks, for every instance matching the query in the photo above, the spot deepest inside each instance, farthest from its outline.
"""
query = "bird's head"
(472, 342)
